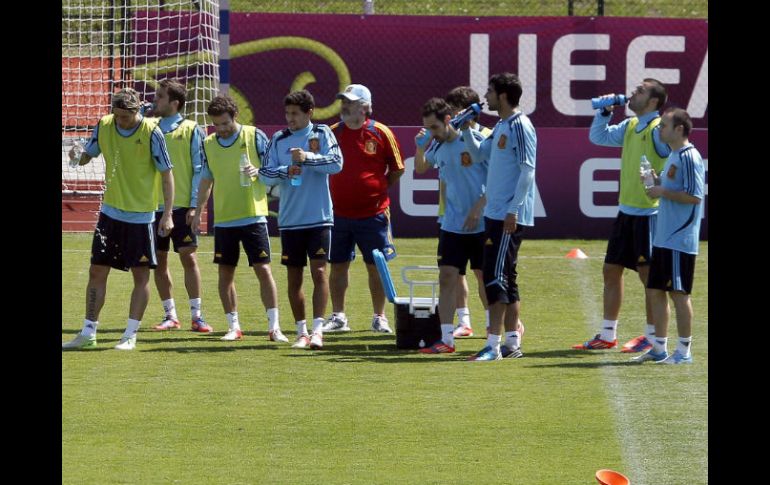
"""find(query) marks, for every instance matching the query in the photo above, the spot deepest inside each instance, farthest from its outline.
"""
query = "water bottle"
(646, 171)
(423, 140)
(617, 99)
(296, 180)
(245, 178)
(466, 115)
(77, 151)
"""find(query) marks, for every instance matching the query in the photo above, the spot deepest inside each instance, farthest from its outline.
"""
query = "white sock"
(494, 342)
(683, 347)
(609, 331)
(512, 339)
(318, 325)
(464, 317)
(89, 327)
(195, 308)
(131, 328)
(272, 319)
(446, 334)
(650, 332)
(659, 344)
(487, 313)
(170, 308)
(232, 321)
(301, 328)
(340, 315)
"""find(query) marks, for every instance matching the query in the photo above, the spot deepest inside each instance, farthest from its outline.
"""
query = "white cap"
(355, 92)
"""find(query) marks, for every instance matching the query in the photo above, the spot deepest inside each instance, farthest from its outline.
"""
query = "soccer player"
(136, 158)
(184, 143)
(462, 230)
(240, 212)
(460, 98)
(680, 188)
(373, 164)
(510, 204)
(310, 151)
(630, 243)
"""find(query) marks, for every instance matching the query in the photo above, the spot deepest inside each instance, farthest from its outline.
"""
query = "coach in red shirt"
(361, 204)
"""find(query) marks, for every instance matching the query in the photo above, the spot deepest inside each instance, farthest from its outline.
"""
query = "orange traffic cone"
(609, 477)
(576, 254)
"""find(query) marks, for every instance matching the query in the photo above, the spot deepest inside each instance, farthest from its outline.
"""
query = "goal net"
(108, 45)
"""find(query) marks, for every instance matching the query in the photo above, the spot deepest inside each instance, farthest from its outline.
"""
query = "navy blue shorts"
(630, 243)
(297, 245)
(182, 234)
(457, 249)
(368, 234)
(123, 245)
(501, 254)
(253, 237)
(671, 270)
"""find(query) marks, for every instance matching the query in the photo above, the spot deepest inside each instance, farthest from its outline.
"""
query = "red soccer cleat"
(638, 344)
(596, 344)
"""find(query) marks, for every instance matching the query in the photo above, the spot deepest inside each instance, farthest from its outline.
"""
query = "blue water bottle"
(466, 115)
(601, 103)
(424, 139)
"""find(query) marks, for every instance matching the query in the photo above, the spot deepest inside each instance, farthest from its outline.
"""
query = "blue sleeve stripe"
(272, 173)
(688, 172)
(518, 131)
(159, 141)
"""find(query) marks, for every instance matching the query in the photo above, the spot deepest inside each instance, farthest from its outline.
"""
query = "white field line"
(627, 425)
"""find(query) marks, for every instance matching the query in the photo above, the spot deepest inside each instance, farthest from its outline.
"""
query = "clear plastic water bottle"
(78, 147)
(466, 115)
(645, 169)
(601, 102)
(296, 180)
(245, 178)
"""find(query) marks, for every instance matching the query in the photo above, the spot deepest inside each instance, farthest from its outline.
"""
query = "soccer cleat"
(336, 323)
(380, 324)
(463, 331)
(317, 341)
(638, 344)
(650, 355)
(676, 358)
(509, 353)
(234, 334)
(596, 344)
(438, 348)
(126, 343)
(168, 323)
(487, 353)
(199, 325)
(277, 336)
(80, 342)
(301, 342)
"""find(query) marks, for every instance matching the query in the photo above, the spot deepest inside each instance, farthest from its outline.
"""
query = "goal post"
(108, 45)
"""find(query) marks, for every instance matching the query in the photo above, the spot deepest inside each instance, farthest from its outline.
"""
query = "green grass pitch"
(190, 409)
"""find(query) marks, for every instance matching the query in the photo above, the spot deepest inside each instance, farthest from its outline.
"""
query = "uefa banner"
(405, 60)
(577, 187)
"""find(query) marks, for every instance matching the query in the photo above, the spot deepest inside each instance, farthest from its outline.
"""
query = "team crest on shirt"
(314, 145)
(671, 171)
(501, 141)
(370, 147)
(465, 159)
